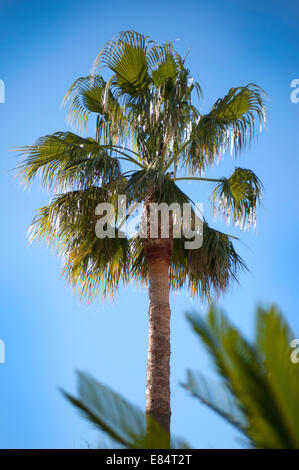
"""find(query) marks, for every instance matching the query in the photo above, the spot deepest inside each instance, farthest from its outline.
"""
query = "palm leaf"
(89, 95)
(261, 377)
(237, 196)
(208, 269)
(230, 126)
(126, 57)
(167, 68)
(216, 397)
(67, 161)
(124, 423)
(92, 265)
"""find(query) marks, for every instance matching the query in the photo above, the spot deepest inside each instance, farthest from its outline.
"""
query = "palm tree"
(258, 393)
(145, 119)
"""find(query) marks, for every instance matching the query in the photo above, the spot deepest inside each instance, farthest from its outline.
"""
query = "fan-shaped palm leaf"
(238, 195)
(126, 57)
(66, 160)
(90, 95)
(230, 125)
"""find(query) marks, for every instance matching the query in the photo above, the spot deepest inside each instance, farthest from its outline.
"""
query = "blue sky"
(48, 334)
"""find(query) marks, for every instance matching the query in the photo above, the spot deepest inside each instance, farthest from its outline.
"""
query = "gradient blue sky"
(48, 334)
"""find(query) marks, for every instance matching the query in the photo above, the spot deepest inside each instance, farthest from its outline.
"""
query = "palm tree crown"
(147, 121)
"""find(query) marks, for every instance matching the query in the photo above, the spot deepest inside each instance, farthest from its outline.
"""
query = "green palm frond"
(122, 422)
(261, 378)
(230, 126)
(208, 269)
(159, 186)
(65, 160)
(282, 373)
(93, 266)
(139, 269)
(97, 267)
(237, 196)
(165, 68)
(216, 397)
(89, 95)
(126, 57)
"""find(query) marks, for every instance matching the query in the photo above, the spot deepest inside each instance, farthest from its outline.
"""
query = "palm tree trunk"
(157, 252)
(158, 366)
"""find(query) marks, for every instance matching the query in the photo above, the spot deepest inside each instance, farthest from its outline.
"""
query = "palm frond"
(164, 65)
(66, 161)
(237, 196)
(209, 269)
(217, 397)
(124, 423)
(261, 377)
(159, 186)
(231, 124)
(93, 266)
(126, 57)
(89, 95)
